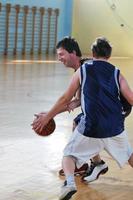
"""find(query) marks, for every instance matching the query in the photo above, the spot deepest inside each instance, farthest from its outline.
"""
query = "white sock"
(70, 180)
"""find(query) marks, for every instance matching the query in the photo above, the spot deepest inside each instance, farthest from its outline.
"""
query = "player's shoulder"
(86, 61)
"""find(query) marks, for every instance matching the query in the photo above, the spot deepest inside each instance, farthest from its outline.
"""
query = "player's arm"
(125, 89)
(61, 103)
(67, 97)
(76, 102)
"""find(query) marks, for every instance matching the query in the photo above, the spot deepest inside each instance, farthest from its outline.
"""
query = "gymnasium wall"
(65, 7)
(109, 18)
(25, 25)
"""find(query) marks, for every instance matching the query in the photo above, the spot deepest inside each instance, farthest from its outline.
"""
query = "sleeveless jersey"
(100, 100)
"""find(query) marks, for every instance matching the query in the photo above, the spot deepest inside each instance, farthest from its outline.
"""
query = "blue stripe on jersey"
(100, 102)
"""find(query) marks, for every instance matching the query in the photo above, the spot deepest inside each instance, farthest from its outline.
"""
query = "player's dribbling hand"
(39, 122)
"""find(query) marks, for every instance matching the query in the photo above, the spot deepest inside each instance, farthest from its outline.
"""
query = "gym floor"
(29, 163)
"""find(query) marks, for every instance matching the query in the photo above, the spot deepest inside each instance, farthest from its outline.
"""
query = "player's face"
(65, 57)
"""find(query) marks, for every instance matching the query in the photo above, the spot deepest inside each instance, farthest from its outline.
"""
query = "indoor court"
(29, 163)
(31, 80)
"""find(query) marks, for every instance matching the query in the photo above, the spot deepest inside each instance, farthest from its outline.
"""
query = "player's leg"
(130, 161)
(82, 170)
(69, 187)
(120, 149)
(77, 152)
(97, 165)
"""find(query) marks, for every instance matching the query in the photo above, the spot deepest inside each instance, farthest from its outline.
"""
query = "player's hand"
(73, 104)
(39, 122)
(39, 114)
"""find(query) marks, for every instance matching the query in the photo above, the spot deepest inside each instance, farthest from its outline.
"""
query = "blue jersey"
(100, 100)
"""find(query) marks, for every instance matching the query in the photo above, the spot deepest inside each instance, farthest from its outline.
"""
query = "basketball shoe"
(67, 191)
(94, 171)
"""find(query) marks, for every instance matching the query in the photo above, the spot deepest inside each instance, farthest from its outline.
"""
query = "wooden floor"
(29, 164)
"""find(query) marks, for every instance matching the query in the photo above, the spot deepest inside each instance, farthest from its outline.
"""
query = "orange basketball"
(48, 129)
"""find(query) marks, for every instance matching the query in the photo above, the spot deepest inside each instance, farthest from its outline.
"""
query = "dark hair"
(70, 45)
(101, 48)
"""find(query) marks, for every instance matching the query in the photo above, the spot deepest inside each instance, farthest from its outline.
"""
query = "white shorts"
(82, 148)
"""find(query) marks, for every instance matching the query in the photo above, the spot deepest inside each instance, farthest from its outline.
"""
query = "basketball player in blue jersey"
(70, 55)
(102, 125)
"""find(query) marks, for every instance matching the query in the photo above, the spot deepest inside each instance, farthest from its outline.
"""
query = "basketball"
(127, 108)
(48, 129)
